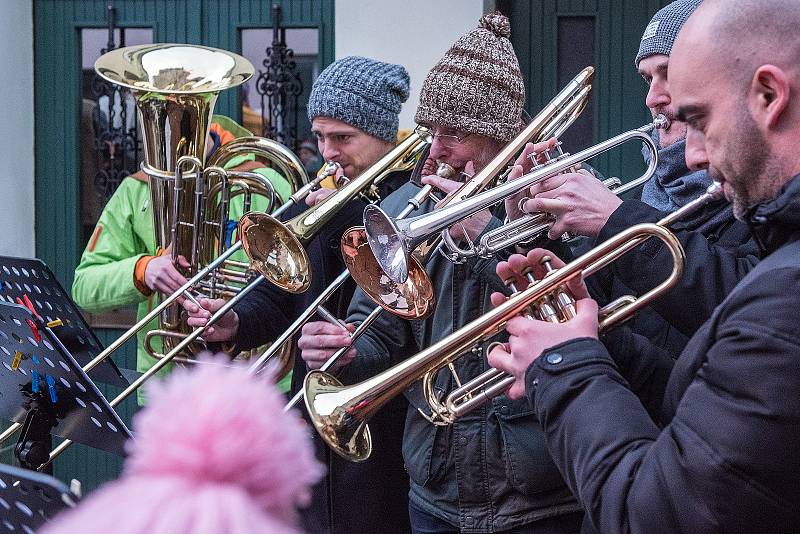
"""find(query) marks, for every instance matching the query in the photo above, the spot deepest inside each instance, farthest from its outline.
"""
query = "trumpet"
(392, 241)
(341, 413)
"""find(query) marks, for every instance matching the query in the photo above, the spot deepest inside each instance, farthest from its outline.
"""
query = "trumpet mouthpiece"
(661, 122)
(444, 170)
(328, 169)
(715, 191)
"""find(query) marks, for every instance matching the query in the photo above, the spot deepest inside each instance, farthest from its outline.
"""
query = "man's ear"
(769, 94)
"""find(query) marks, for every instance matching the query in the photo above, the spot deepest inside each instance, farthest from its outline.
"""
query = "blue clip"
(34, 381)
(51, 384)
(229, 228)
(36, 361)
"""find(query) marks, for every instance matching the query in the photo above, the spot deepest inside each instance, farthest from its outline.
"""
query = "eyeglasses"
(446, 140)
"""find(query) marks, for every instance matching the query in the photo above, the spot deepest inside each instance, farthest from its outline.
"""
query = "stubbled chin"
(727, 191)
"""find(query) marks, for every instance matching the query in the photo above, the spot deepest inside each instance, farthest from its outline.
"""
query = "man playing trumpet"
(720, 250)
(721, 452)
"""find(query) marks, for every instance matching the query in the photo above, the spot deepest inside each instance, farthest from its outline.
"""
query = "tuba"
(175, 87)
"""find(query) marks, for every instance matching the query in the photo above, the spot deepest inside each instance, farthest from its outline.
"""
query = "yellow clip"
(53, 324)
(17, 361)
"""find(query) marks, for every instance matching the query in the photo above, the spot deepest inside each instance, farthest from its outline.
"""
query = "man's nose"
(657, 95)
(330, 152)
(696, 157)
(438, 151)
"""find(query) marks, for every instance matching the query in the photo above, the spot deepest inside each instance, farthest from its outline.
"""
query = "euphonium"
(340, 413)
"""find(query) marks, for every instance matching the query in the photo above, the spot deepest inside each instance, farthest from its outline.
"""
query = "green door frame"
(57, 67)
(618, 90)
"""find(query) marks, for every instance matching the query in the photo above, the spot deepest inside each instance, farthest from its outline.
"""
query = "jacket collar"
(776, 221)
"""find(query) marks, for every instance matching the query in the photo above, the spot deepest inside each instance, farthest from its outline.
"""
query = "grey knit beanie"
(477, 86)
(362, 92)
(660, 34)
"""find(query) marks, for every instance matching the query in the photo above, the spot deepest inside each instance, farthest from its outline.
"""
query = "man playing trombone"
(469, 476)
(353, 108)
(721, 453)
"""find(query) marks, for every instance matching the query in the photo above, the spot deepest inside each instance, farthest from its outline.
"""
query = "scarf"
(673, 185)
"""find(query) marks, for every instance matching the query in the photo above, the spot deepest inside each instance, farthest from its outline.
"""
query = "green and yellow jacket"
(104, 279)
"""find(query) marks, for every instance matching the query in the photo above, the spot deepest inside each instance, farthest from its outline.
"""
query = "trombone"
(341, 413)
(405, 154)
(414, 299)
(392, 241)
(318, 305)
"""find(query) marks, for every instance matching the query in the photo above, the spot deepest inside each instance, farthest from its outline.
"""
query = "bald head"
(745, 34)
(735, 81)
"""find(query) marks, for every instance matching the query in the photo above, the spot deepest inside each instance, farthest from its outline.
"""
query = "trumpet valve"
(564, 302)
(547, 312)
(547, 263)
(566, 305)
(509, 283)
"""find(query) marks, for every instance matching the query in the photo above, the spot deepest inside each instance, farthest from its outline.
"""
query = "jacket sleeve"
(104, 277)
(710, 272)
(264, 314)
(708, 468)
(645, 366)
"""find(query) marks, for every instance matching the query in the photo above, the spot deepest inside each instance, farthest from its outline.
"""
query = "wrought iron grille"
(280, 87)
(116, 139)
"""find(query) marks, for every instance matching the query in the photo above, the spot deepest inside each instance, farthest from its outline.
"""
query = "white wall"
(413, 33)
(16, 132)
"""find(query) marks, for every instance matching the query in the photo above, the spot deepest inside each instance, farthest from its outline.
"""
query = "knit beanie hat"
(477, 86)
(214, 452)
(660, 34)
(362, 92)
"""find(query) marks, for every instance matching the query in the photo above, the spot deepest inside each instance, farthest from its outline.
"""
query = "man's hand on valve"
(529, 337)
(579, 201)
(524, 165)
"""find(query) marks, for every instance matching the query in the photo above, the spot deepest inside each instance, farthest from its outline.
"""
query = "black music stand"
(43, 387)
(31, 283)
(29, 499)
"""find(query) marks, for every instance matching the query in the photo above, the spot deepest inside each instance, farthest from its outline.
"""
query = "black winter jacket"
(723, 456)
(719, 252)
(489, 471)
(371, 496)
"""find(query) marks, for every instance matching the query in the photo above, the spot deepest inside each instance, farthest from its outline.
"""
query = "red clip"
(29, 305)
(35, 331)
